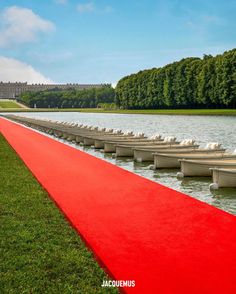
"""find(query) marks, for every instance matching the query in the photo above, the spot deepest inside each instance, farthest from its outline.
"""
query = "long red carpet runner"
(165, 241)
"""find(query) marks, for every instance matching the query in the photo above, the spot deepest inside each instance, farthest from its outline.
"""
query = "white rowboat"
(201, 168)
(172, 160)
(223, 178)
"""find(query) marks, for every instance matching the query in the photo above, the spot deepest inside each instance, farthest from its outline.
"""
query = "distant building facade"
(13, 90)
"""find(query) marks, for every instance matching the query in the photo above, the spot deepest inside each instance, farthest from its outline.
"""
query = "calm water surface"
(203, 129)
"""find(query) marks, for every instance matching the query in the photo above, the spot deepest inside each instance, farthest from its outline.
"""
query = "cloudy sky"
(97, 41)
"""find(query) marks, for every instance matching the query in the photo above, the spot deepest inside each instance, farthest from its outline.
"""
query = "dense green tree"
(209, 82)
(70, 98)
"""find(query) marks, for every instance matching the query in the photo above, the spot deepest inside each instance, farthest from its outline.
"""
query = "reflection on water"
(202, 128)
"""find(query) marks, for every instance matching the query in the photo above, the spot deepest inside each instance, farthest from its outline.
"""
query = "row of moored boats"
(192, 160)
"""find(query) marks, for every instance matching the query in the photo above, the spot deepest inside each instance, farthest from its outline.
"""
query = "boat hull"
(98, 144)
(191, 168)
(141, 155)
(88, 141)
(224, 178)
(128, 150)
(124, 151)
(173, 160)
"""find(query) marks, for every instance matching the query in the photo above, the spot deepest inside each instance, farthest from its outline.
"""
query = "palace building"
(13, 90)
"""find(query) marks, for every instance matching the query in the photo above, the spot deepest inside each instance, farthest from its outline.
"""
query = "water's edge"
(202, 129)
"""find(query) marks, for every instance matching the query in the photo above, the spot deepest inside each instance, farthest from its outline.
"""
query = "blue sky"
(101, 41)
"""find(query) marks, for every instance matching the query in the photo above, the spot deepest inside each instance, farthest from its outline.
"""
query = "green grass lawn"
(141, 111)
(168, 111)
(9, 104)
(41, 253)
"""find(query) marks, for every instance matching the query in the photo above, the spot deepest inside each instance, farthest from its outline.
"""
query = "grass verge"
(168, 111)
(9, 105)
(41, 253)
(226, 112)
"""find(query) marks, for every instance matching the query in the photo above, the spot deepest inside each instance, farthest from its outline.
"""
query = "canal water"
(203, 129)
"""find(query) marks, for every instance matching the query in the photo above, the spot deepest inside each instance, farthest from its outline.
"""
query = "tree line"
(209, 82)
(69, 98)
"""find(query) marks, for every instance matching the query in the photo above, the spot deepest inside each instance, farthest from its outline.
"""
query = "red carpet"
(139, 230)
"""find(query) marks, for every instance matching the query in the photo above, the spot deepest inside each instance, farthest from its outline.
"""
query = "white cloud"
(13, 70)
(86, 7)
(91, 7)
(21, 25)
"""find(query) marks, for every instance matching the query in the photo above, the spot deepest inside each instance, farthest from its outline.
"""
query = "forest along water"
(203, 129)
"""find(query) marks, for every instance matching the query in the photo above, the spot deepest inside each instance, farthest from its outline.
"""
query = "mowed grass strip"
(9, 104)
(41, 253)
(225, 112)
(165, 111)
